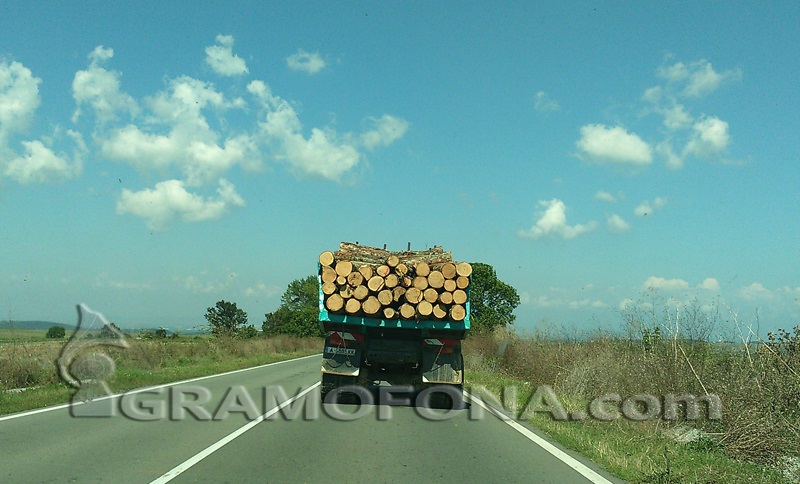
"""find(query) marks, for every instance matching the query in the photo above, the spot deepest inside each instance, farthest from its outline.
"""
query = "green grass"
(14, 335)
(31, 364)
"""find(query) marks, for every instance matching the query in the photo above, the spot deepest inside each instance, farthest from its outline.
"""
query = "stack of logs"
(362, 280)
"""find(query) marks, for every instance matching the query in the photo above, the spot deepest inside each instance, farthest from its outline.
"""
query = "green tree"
(108, 331)
(226, 319)
(492, 301)
(298, 313)
(247, 332)
(56, 332)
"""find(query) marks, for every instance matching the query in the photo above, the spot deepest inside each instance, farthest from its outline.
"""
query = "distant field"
(11, 335)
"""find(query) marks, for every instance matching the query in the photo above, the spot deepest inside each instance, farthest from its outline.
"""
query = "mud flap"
(341, 360)
(440, 367)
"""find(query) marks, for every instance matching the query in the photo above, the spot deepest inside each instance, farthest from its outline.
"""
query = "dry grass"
(757, 384)
(32, 364)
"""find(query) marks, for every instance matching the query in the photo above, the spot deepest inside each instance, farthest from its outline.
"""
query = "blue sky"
(156, 158)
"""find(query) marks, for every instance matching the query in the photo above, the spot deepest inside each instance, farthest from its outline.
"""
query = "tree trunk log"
(366, 272)
(334, 303)
(424, 308)
(326, 258)
(449, 270)
(355, 279)
(371, 306)
(458, 313)
(385, 297)
(463, 269)
(376, 284)
(436, 279)
(353, 306)
(344, 268)
(439, 311)
(407, 311)
(328, 274)
(328, 288)
(430, 295)
(360, 293)
(413, 295)
(446, 298)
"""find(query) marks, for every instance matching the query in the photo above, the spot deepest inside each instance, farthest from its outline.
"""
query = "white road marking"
(148, 389)
(187, 464)
(579, 467)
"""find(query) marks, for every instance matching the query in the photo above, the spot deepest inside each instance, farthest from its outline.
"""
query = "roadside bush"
(56, 332)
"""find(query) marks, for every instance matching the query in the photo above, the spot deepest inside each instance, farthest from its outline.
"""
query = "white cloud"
(40, 164)
(222, 60)
(262, 289)
(672, 159)
(602, 144)
(325, 153)
(100, 89)
(170, 199)
(697, 78)
(709, 138)
(646, 208)
(188, 142)
(544, 103)
(709, 284)
(546, 301)
(310, 63)
(19, 98)
(552, 222)
(617, 224)
(322, 154)
(605, 197)
(654, 282)
(755, 291)
(384, 132)
(676, 117)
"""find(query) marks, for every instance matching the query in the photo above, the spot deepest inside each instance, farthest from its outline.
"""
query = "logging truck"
(394, 317)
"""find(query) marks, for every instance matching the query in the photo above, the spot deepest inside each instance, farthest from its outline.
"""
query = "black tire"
(332, 382)
(329, 382)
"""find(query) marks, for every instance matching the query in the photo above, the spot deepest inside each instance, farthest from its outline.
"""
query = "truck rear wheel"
(331, 382)
(444, 396)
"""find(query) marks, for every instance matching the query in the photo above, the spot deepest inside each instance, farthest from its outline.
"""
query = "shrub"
(56, 332)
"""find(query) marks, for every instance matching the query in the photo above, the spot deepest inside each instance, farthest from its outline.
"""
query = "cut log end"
(407, 311)
(424, 309)
(326, 258)
(334, 303)
(463, 269)
(344, 268)
(371, 305)
(458, 313)
(353, 306)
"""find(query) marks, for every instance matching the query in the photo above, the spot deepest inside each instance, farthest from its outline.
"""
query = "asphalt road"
(230, 428)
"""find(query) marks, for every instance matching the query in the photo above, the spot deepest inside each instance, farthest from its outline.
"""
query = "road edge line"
(559, 454)
(27, 413)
